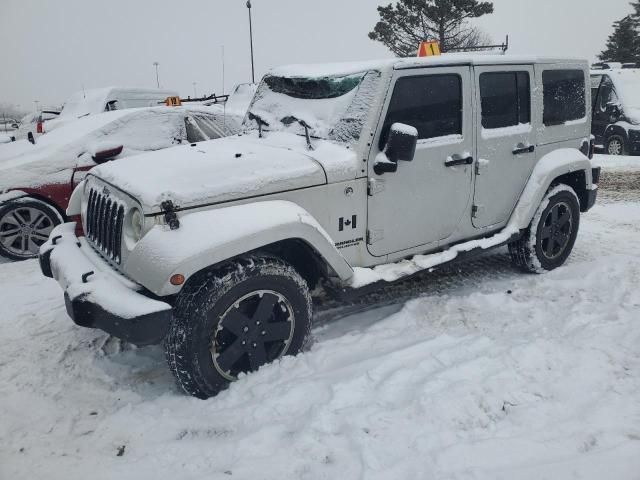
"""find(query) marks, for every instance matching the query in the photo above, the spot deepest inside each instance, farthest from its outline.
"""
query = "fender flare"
(615, 129)
(208, 237)
(549, 168)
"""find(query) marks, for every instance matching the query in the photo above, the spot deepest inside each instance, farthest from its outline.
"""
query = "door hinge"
(482, 165)
(374, 236)
(375, 186)
(477, 210)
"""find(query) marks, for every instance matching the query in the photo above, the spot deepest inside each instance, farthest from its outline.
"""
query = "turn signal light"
(177, 279)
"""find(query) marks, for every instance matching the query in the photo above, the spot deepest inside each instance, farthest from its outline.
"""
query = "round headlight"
(137, 222)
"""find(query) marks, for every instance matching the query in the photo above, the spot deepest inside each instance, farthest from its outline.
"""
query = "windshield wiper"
(260, 121)
(290, 119)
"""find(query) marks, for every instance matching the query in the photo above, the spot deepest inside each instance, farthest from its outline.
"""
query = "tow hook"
(170, 214)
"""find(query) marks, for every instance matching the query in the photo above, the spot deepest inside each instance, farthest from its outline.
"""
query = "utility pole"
(253, 72)
(222, 69)
(195, 94)
(156, 64)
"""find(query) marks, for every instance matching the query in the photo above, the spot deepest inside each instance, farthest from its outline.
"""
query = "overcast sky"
(52, 48)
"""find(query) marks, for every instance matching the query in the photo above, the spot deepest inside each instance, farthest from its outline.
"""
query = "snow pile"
(616, 162)
(502, 376)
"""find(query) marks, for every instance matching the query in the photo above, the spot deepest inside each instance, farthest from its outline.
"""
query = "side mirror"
(401, 145)
(402, 142)
(106, 154)
(613, 110)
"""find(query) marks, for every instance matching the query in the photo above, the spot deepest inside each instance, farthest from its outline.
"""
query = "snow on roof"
(94, 100)
(349, 68)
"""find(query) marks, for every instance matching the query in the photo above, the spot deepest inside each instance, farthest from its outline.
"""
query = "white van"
(98, 100)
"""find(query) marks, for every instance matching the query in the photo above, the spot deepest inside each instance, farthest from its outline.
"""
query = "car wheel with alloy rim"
(25, 225)
(235, 319)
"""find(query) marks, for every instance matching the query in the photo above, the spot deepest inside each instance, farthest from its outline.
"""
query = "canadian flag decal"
(349, 222)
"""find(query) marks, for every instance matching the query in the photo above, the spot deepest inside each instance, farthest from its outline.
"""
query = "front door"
(604, 95)
(506, 141)
(424, 201)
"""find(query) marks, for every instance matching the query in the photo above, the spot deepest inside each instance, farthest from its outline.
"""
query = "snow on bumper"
(98, 297)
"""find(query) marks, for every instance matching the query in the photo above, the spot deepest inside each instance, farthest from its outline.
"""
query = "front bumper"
(98, 297)
(593, 193)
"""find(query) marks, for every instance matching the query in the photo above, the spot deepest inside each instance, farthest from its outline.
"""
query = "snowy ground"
(490, 374)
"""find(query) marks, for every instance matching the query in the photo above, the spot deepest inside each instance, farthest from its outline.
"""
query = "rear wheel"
(548, 241)
(24, 226)
(616, 146)
(234, 320)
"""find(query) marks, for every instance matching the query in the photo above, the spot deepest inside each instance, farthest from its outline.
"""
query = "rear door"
(506, 141)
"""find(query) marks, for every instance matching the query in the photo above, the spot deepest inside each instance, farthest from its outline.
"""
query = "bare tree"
(403, 26)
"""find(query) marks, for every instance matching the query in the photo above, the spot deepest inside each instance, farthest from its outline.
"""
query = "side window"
(431, 103)
(564, 96)
(506, 99)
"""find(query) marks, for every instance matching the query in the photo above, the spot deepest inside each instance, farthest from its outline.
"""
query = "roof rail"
(503, 47)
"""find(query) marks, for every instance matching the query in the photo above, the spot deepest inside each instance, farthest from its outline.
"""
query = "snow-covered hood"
(227, 169)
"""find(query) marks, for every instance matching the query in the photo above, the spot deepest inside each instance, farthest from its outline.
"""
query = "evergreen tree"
(623, 44)
(403, 26)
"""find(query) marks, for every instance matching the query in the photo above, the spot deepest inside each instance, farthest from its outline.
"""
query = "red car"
(36, 180)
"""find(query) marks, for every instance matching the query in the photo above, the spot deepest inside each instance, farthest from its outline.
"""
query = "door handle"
(521, 148)
(456, 160)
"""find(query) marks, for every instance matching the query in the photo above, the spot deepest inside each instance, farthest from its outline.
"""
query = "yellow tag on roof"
(173, 101)
(429, 49)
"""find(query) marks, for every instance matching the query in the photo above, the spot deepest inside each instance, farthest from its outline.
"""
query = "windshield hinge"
(477, 210)
(375, 186)
(374, 236)
(170, 214)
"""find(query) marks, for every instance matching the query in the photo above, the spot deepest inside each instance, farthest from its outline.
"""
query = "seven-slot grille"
(104, 224)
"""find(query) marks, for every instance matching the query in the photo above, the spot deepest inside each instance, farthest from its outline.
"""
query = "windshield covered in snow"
(332, 107)
(627, 85)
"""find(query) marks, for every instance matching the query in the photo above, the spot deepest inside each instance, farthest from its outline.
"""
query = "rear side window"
(432, 104)
(564, 96)
(506, 99)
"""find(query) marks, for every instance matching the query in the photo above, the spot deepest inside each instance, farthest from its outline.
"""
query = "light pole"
(253, 72)
(195, 94)
(156, 64)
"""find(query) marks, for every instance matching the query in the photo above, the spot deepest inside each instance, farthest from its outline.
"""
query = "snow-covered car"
(33, 123)
(346, 178)
(616, 110)
(36, 181)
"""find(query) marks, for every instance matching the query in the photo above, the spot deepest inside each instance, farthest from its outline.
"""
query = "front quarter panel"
(209, 237)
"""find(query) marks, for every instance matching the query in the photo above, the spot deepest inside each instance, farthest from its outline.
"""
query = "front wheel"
(548, 241)
(233, 320)
(616, 146)
(25, 225)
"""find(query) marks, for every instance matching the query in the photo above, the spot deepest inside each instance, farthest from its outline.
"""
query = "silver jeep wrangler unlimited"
(346, 177)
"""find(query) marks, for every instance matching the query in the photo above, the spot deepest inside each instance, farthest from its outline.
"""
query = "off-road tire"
(531, 252)
(615, 140)
(206, 302)
(26, 208)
